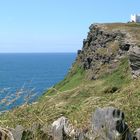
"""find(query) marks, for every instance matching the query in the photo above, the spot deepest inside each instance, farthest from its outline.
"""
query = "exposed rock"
(109, 124)
(134, 57)
(58, 129)
(125, 47)
(62, 129)
(106, 124)
(6, 134)
(78, 52)
(17, 132)
(137, 134)
(101, 48)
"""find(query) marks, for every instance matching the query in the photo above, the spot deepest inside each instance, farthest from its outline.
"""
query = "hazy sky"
(56, 25)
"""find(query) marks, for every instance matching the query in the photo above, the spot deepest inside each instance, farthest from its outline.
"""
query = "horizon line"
(32, 52)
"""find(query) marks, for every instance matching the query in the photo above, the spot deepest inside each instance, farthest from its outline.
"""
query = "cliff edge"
(104, 77)
(106, 44)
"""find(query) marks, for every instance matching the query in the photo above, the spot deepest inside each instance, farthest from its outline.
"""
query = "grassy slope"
(76, 98)
(77, 101)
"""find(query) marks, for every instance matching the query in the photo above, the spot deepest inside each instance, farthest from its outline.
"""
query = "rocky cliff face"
(103, 48)
(134, 57)
(109, 55)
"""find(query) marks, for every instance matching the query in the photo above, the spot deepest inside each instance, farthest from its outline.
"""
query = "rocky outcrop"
(105, 48)
(6, 134)
(109, 123)
(137, 134)
(62, 129)
(101, 47)
(134, 57)
(100, 54)
(106, 124)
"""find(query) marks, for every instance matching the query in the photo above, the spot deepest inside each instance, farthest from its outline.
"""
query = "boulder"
(106, 124)
(6, 134)
(109, 124)
(62, 129)
(137, 134)
(134, 58)
(17, 132)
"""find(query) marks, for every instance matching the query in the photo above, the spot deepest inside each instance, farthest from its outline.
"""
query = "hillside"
(105, 73)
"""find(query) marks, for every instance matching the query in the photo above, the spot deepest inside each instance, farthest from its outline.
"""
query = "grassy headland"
(76, 97)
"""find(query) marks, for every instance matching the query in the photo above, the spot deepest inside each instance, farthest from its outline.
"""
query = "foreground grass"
(77, 98)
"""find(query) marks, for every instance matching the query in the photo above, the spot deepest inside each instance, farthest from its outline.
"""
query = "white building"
(135, 18)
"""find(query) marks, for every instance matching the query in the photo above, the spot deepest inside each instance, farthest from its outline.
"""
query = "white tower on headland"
(135, 18)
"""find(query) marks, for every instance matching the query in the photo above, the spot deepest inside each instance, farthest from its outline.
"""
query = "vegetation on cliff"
(100, 77)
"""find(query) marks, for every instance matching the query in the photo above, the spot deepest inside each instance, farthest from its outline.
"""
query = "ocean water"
(24, 77)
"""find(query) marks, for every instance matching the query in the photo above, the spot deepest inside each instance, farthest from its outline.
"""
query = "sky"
(56, 25)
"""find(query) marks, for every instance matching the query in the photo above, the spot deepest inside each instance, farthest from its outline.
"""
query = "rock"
(134, 58)
(125, 47)
(109, 124)
(84, 42)
(96, 50)
(137, 134)
(62, 129)
(57, 129)
(17, 132)
(78, 52)
(6, 134)
(106, 124)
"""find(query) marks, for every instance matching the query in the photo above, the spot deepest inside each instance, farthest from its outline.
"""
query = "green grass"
(133, 29)
(132, 24)
(120, 76)
(71, 81)
(76, 97)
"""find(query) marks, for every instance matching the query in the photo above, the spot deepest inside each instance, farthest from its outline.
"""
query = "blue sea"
(25, 77)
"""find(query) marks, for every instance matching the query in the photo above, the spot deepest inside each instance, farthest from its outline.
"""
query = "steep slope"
(106, 44)
(102, 75)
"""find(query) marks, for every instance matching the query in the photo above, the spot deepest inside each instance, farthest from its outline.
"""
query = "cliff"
(105, 45)
(105, 75)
